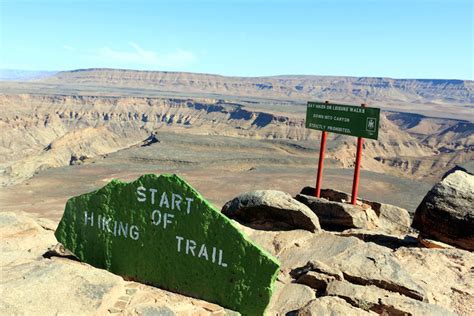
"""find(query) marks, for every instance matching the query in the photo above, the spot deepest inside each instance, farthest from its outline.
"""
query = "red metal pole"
(319, 177)
(355, 182)
(321, 163)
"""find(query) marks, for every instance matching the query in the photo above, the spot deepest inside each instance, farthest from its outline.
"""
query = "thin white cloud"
(67, 47)
(139, 56)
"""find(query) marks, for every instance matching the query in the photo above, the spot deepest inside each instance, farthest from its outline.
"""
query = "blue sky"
(380, 38)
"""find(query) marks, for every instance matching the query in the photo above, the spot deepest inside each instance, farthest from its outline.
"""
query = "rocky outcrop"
(278, 87)
(87, 123)
(447, 213)
(445, 274)
(382, 301)
(360, 263)
(269, 209)
(408, 273)
(323, 273)
(383, 239)
(391, 219)
(339, 216)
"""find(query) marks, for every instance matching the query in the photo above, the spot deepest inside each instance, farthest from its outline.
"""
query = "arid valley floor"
(72, 132)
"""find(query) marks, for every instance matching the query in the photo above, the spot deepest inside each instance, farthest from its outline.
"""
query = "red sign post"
(319, 177)
(355, 181)
(342, 119)
(321, 163)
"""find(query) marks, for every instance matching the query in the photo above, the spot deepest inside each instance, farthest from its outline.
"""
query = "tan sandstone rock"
(331, 305)
(31, 284)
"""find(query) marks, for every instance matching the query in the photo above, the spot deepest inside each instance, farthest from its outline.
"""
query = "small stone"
(430, 243)
(132, 285)
(290, 297)
(120, 304)
(319, 267)
(148, 310)
(114, 310)
(131, 291)
(331, 305)
(317, 281)
(210, 307)
(229, 312)
(124, 298)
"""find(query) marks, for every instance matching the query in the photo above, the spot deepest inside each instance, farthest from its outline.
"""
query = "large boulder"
(271, 210)
(447, 211)
(339, 216)
(391, 219)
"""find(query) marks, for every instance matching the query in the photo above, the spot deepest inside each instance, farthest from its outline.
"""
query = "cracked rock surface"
(354, 272)
(31, 284)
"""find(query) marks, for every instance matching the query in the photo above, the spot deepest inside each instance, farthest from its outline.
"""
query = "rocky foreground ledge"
(37, 280)
(335, 259)
(322, 272)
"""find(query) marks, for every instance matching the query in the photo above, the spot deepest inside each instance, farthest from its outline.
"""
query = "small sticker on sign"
(371, 124)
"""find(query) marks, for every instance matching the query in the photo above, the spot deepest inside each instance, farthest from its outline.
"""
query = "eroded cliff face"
(47, 131)
(349, 89)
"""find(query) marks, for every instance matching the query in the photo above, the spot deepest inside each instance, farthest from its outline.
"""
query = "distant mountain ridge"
(296, 87)
(15, 74)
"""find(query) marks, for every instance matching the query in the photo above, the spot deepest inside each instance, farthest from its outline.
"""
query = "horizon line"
(232, 76)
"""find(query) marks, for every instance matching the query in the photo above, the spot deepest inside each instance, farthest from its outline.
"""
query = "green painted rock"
(160, 231)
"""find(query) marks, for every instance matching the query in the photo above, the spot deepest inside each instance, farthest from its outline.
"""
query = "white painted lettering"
(221, 263)
(105, 224)
(190, 246)
(134, 232)
(123, 229)
(179, 238)
(141, 194)
(89, 218)
(164, 200)
(203, 252)
(176, 200)
(153, 191)
(213, 254)
(189, 200)
(156, 217)
(167, 219)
